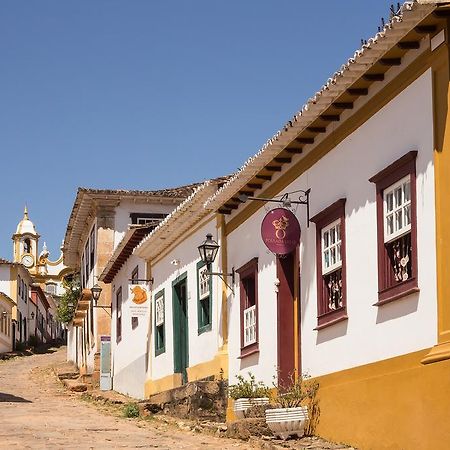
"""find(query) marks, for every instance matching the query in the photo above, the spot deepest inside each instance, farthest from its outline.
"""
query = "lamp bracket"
(223, 276)
(285, 200)
(105, 308)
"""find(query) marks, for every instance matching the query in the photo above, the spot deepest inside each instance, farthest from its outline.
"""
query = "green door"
(180, 327)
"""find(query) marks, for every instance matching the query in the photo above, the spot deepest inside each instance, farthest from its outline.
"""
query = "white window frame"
(337, 244)
(53, 286)
(250, 325)
(203, 283)
(159, 310)
(404, 229)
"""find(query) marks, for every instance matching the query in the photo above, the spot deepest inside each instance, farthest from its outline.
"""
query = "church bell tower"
(25, 242)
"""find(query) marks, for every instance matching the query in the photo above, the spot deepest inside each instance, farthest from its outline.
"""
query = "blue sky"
(148, 94)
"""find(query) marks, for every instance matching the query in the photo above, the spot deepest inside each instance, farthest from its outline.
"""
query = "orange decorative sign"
(139, 305)
(139, 294)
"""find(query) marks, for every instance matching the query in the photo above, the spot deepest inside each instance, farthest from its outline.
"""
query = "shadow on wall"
(249, 361)
(130, 380)
(399, 308)
(327, 334)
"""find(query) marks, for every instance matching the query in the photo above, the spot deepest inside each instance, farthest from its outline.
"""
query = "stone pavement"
(37, 412)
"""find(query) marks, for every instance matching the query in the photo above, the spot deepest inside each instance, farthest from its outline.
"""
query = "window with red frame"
(396, 229)
(330, 260)
(248, 289)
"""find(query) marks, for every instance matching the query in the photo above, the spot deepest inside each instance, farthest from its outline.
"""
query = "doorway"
(180, 327)
(288, 319)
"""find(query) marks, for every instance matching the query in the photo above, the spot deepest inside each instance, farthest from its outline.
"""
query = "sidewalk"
(241, 431)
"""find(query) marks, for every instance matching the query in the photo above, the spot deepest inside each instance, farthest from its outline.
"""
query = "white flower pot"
(285, 422)
(242, 404)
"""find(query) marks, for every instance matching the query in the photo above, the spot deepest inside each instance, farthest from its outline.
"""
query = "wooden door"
(180, 328)
(286, 310)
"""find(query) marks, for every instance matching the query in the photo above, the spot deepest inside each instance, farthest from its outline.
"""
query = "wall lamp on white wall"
(96, 290)
(208, 251)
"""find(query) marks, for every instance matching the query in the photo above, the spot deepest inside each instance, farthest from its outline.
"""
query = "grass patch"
(131, 410)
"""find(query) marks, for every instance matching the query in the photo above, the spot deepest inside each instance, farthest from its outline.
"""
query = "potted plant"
(248, 393)
(290, 415)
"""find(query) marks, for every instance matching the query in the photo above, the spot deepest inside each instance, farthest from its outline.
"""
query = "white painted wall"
(371, 333)
(243, 245)
(203, 347)
(5, 279)
(129, 355)
(126, 207)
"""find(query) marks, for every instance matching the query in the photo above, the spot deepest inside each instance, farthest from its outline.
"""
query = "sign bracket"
(285, 200)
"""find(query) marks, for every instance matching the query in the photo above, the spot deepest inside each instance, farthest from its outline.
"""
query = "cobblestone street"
(37, 412)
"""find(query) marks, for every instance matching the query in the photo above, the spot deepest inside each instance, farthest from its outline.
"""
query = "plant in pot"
(290, 415)
(248, 393)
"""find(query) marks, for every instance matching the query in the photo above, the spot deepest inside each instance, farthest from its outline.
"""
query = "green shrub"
(299, 390)
(248, 388)
(33, 341)
(131, 410)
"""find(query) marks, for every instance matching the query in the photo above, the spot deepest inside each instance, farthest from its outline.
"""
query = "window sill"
(331, 317)
(394, 294)
(251, 349)
(332, 321)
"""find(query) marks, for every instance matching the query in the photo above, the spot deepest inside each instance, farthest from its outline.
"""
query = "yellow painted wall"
(397, 403)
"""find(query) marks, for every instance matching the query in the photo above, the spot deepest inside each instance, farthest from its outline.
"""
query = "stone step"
(76, 385)
(194, 400)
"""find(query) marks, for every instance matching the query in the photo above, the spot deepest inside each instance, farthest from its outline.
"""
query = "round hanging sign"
(280, 231)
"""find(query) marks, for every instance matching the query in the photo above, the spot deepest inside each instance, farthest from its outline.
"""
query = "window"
(135, 280)
(19, 286)
(51, 288)
(25, 292)
(248, 292)
(330, 262)
(146, 218)
(159, 323)
(86, 263)
(135, 275)
(82, 277)
(396, 225)
(204, 298)
(27, 246)
(119, 314)
(92, 248)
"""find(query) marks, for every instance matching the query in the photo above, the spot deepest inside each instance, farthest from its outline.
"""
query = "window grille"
(250, 325)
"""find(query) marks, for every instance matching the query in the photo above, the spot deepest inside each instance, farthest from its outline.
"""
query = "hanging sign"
(280, 231)
(139, 300)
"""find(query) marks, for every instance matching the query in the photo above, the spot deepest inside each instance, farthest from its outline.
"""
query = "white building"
(179, 338)
(98, 222)
(359, 303)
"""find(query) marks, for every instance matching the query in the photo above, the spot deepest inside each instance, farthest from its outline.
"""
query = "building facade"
(98, 223)
(370, 153)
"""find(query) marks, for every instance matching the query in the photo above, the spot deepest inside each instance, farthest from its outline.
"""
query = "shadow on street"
(12, 398)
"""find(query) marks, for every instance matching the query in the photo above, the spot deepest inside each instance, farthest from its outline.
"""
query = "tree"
(68, 301)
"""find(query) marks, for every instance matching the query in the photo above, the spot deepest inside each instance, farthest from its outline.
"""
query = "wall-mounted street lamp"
(32, 315)
(208, 251)
(96, 290)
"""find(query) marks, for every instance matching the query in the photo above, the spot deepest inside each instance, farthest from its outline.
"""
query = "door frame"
(176, 315)
(289, 327)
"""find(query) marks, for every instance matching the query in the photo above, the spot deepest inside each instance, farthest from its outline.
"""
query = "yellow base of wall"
(397, 403)
(163, 384)
(217, 368)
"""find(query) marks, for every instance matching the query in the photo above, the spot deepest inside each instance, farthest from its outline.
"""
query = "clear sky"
(145, 94)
